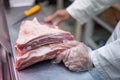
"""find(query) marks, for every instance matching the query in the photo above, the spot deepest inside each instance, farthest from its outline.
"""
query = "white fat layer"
(37, 52)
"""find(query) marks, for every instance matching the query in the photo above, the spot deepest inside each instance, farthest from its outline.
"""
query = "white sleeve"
(80, 9)
(107, 60)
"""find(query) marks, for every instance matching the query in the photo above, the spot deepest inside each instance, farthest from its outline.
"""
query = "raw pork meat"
(34, 34)
(38, 41)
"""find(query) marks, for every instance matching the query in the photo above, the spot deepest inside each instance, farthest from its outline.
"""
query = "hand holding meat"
(39, 41)
(61, 15)
(76, 58)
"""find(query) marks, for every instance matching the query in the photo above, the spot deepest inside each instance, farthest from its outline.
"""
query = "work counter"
(45, 70)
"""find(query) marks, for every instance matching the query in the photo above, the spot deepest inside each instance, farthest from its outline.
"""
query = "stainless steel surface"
(5, 46)
(20, 20)
(4, 36)
(6, 71)
(43, 70)
(1, 67)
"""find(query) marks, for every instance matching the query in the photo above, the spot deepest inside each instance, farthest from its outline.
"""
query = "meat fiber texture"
(39, 41)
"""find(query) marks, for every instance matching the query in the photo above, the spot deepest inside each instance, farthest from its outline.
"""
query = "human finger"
(51, 17)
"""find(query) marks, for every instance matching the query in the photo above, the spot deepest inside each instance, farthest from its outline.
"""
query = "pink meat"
(34, 34)
(43, 53)
(31, 30)
(37, 42)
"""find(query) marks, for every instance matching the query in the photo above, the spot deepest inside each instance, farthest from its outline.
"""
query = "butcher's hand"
(76, 58)
(60, 15)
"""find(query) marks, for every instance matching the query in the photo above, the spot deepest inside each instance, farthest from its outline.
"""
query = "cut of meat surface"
(38, 41)
(30, 30)
(35, 43)
(34, 34)
(42, 53)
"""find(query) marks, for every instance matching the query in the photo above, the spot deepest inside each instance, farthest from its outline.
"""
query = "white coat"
(107, 58)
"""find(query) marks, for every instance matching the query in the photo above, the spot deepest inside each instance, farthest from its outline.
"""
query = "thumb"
(60, 57)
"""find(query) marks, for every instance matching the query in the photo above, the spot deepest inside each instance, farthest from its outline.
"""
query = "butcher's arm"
(107, 60)
(81, 8)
